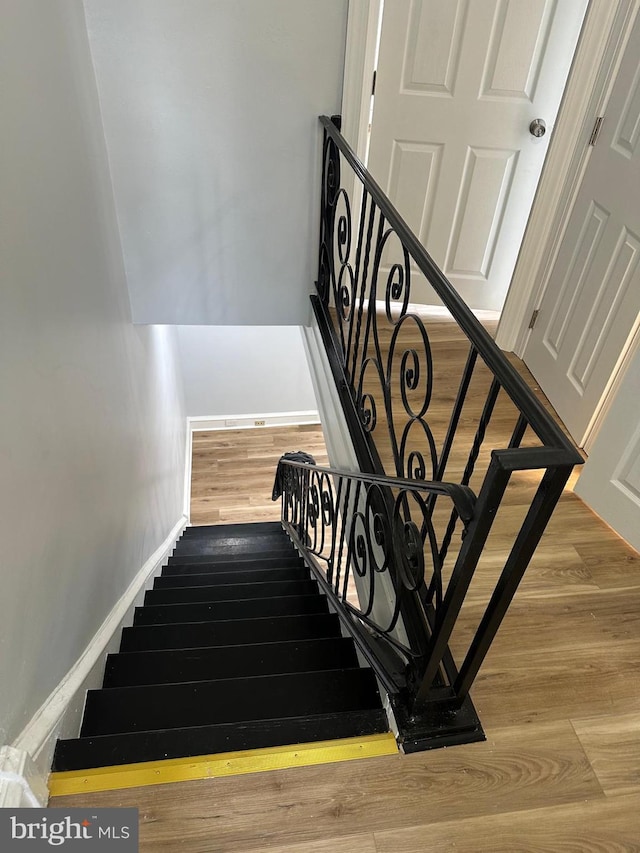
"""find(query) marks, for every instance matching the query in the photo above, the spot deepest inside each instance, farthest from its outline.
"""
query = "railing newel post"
(539, 513)
(489, 499)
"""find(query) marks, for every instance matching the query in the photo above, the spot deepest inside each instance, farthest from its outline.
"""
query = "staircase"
(234, 649)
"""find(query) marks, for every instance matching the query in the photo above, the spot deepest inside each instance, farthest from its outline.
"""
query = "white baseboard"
(29, 758)
(434, 311)
(188, 462)
(21, 786)
(337, 438)
(271, 419)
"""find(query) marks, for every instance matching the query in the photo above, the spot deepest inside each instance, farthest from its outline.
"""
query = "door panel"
(579, 270)
(458, 84)
(430, 65)
(627, 133)
(516, 50)
(592, 301)
(612, 293)
(610, 480)
(486, 181)
(416, 166)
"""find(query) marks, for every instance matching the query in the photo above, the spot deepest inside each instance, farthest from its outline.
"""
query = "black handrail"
(462, 497)
(536, 415)
(362, 532)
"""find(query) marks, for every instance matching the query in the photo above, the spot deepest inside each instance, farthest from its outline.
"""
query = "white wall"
(92, 434)
(210, 110)
(243, 370)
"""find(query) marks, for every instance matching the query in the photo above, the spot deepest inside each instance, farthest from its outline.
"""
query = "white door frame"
(606, 28)
(359, 64)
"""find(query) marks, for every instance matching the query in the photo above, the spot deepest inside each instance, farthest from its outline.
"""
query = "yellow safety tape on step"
(170, 770)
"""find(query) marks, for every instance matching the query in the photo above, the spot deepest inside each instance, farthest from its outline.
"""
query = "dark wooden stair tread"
(224, 530)
(237, 545)
(219, 662)
(229, 632)
(222, 563)
(231, 591)
(132, 747)
(234, 649)
(244, 608)
(198, 703)
(204, 578)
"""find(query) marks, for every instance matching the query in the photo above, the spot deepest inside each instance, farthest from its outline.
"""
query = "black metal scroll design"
(377, 535)
(355, 270)
(374, 539)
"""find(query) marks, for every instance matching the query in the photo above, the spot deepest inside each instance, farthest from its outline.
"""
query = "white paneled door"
(458, 85)
(591, 305)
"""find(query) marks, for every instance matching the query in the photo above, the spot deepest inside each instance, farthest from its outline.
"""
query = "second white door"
(591, 305)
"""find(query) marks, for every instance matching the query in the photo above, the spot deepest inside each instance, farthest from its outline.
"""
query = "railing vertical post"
(544, 502)
(478, 440)
(518, 432)
(322, 255)
(465, 381)
(486, 509)
(358, 356)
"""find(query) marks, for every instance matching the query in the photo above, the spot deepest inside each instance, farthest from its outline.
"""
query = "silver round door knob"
(537, 127)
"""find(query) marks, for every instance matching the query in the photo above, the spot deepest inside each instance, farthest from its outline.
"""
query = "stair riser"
(137, 668)
(229, 633)
(254, 608)
(263, 528)
(234, 700)
(233, 546)
(225, 578)
(237, 536)
(230, 592)
(200, 565)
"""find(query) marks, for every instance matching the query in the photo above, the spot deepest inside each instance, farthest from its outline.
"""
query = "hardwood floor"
(233, 470)
(558, 696)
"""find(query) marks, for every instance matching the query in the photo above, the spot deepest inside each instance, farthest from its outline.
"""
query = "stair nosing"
(277, 561)
(252, 583)
(231, 621)
(303, 567)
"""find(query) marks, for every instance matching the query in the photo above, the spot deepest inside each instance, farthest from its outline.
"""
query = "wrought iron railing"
(362, 533)
(392, 377)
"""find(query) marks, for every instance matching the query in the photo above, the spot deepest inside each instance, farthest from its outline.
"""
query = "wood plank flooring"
(233, 470)
(558, 696)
